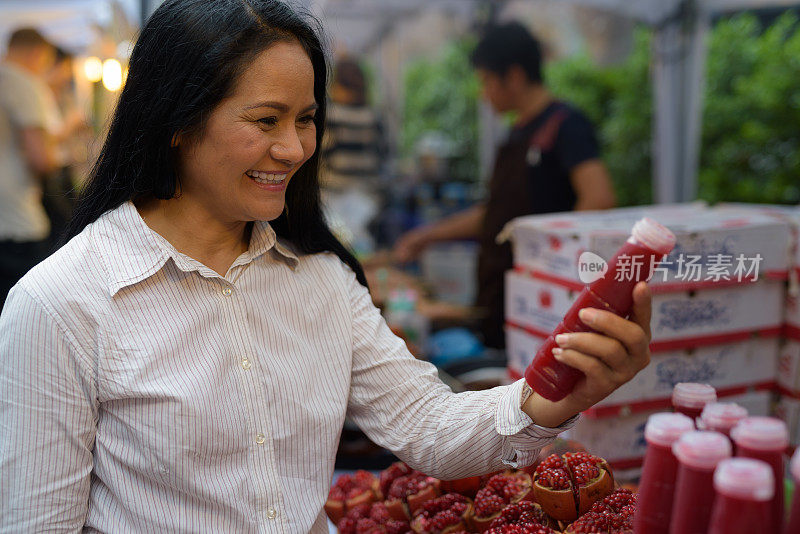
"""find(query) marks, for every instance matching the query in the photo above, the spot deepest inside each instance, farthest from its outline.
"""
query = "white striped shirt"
(143, 392)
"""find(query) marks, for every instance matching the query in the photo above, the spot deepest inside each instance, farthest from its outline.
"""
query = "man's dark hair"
(505, 45)
(27, 38)
(187, 59)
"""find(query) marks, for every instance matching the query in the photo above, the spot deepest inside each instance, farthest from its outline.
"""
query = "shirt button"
(260, 439)
(245, 364)
(272, 513)
(227, 291)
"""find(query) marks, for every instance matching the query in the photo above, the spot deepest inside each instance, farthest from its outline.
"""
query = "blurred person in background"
(27, 153)
(550, 162)
(352, 153)
(64, 122)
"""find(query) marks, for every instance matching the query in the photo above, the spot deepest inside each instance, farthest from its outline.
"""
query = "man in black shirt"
(550, 162)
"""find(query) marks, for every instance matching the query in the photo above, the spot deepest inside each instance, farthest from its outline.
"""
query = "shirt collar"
(132, 251)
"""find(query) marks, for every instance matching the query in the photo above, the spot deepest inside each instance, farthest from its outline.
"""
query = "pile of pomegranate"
(569, 493)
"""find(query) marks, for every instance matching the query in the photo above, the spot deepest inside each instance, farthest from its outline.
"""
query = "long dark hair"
(187, 59)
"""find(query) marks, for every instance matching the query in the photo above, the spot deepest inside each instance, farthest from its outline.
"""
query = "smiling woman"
(186, 361)
(216, 89)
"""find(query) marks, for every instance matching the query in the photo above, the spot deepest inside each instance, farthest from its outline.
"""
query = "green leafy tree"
(441, 94)
(751, 140)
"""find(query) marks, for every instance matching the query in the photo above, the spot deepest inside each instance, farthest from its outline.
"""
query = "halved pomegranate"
(349, 491)
(567, 486)
(407, 493)
(443, 515)
(371, 518)
(612, 514)
(501, 490)
(521, 514)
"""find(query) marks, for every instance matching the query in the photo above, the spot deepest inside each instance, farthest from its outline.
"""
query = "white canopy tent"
(679, 52)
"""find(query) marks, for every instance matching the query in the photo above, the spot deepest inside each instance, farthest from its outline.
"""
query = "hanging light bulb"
(112, 75)
(93, 69)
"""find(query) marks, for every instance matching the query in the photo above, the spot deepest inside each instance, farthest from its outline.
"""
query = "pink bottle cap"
(653, 235)
(794, 467)
(722, 416)
(702, 450)
(692, 395)
(761, 433)
(744, 478)
(666, 428)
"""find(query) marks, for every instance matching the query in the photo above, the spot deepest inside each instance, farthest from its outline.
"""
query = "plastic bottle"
(648, 243)
(722, 416)
(657, 485)
(744, 488)
(698, 454)
(690, 398)
(793, 526)
(765, 439)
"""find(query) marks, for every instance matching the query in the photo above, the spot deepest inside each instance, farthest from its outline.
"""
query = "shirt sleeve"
(401, 404)
(48, 419)
(576, 141)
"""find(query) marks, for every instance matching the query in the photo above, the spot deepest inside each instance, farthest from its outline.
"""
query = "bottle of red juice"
(722, 416)
(634, 262)
(689, 398)
(698, 454)
(744, 489)
(765, 439)
(660, 469)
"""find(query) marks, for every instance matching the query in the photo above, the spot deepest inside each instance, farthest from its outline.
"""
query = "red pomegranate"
(613, 515)
(443, 515)
(501, 490)
(407, 493)
(521, 514)
(350, 491)
(567, 486)
(371, 518)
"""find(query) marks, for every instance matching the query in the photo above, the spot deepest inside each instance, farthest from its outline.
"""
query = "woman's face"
(255, 140)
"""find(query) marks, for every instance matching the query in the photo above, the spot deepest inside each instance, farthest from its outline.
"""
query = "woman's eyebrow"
(279, 106)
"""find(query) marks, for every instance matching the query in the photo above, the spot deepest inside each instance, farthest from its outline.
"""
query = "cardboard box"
(792, 316)
(728, 367)
(788, 375)
(790, 214)
(788, 410)
(680, 320)
(709, 243)
(621, 439)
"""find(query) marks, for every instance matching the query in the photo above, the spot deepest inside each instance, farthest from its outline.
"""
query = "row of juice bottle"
(711, 469)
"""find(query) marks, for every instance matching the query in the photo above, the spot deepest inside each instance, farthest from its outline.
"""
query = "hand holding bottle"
(608, 358)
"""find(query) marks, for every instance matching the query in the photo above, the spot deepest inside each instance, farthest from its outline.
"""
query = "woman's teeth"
(266, 178)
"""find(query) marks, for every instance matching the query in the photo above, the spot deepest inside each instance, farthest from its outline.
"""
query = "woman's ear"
(176, 140)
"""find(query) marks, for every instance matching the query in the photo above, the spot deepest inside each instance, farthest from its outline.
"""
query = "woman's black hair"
(187, 59)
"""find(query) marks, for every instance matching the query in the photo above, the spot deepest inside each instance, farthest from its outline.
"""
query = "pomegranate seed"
(551, 462)
(555, 479)
(585, 473)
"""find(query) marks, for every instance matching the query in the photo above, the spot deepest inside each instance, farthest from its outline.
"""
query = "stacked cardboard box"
(718, 302)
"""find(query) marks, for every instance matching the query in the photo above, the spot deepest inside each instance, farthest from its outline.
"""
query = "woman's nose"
(288, 148)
